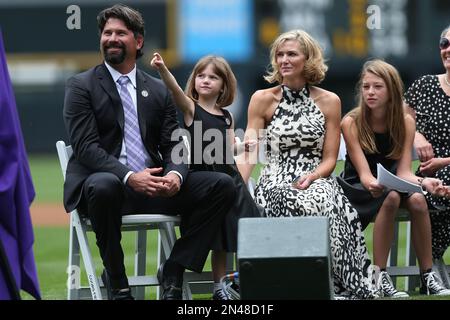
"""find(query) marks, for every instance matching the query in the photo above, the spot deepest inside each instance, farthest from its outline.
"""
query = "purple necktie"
(133, 140)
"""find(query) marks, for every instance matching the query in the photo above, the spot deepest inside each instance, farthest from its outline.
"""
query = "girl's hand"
(247, 146)
(157, 61)
(250, 145)
(375, 189)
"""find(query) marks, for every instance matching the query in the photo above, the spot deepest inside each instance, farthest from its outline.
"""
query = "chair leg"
(408, 283)
(230, 262)
(166, 241)
(411, 260)
(187, 294)
(166, 238)
(73, 268)
(87, 258)
(161, 257)
(393, 255)
(140, 261)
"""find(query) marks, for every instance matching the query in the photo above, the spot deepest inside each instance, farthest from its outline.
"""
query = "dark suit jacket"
(94, 119)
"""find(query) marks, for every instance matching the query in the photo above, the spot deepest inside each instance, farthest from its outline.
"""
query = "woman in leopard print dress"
(302, 140)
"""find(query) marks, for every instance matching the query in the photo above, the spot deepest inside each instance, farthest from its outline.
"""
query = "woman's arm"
(259, 103)
(185, 104)
(240, 146)
(423, 148)
(330, 106)
(356, 154)
(404, 164)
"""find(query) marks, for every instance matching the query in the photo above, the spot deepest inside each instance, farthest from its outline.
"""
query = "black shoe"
(171, 288)
(115, 294)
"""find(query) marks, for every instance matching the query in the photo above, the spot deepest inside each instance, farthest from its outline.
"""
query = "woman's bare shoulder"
(324, 96)
(267, 95)
(262, 101)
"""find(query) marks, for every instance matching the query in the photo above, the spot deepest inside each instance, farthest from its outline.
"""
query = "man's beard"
(114, 58)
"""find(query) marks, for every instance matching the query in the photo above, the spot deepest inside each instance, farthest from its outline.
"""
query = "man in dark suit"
(120, 121)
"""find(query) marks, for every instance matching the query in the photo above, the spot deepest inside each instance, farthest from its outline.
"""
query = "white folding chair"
(140, 223)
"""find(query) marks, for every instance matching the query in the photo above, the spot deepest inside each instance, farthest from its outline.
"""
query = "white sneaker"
(386, 287)
(220, 295)
(432, 285)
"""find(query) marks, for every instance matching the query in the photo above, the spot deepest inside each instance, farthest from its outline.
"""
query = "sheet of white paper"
(390, 181)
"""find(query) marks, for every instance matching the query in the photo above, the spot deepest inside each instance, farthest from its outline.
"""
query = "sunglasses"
(444, 43)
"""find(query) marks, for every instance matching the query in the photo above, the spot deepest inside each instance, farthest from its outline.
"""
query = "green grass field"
(51, 254)
(47, 178)
(51, 243)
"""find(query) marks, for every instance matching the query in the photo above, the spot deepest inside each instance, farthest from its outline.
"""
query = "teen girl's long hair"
(395, 117)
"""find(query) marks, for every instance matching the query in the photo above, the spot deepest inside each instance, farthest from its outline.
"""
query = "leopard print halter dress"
(294, 141)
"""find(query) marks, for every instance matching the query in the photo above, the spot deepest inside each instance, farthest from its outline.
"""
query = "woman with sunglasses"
(428, 101)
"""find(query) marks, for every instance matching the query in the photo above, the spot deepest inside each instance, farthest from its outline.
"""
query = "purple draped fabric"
(16, 193)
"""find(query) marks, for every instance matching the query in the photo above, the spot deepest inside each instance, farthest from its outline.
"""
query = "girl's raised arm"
(185, 104)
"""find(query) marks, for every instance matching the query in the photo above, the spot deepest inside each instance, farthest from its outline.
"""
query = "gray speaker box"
(284, 258)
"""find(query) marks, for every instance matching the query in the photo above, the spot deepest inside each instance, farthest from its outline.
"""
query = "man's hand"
(173, 185)
(147, 182)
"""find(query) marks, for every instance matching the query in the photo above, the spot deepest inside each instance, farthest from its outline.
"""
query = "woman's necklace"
(446, 80)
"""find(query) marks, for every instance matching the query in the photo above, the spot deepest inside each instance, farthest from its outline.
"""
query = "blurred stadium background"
(42, 52)
(44, 47)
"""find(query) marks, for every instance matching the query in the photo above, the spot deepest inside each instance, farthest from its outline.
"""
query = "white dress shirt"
(131, 86)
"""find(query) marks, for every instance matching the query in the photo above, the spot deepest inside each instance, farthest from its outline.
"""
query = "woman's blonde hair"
(395, 117)
(223, 70)
(315, 67)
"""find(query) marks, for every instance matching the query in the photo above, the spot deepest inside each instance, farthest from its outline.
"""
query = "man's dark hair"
(131, 17)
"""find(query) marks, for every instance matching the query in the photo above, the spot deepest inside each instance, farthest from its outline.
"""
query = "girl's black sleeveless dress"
(211, 151)
(360, 198)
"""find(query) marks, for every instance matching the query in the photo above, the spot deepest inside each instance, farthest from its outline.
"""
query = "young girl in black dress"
(210, 88)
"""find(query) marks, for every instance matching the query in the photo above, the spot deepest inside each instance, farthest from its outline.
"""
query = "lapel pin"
(144, 93)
